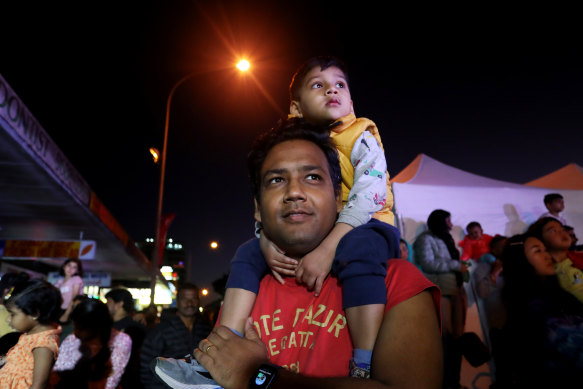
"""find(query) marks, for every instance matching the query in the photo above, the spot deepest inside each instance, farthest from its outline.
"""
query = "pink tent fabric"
(567, 177)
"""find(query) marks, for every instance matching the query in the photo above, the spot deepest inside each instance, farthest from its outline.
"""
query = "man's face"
(557, 205)
(297, 206)
(187, 303)
(555, 237)
(112, 306)
(323, 96)
(475, 233)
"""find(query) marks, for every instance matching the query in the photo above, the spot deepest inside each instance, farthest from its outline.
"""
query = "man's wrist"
(264, 376)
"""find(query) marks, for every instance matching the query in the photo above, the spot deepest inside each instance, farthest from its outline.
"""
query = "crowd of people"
(529, 293)
(328, 295)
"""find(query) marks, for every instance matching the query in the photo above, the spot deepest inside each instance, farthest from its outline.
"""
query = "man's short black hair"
(186, 286)
(324, 62)
(123, 295)
(549, 198)
(291, 129)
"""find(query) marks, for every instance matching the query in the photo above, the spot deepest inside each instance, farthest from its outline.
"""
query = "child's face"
(70, 269)
(19, 320)
(324, 96)
(555, 237)
(538, 257)
(557, 205)
(475, 233)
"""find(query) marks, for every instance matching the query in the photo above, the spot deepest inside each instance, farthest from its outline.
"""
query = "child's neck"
(40, 328)
(559, 255)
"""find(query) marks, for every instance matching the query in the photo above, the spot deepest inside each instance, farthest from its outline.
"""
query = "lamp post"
(157, 243)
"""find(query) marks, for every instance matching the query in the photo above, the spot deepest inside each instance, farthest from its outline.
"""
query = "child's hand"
(314, 268)
(276, 259)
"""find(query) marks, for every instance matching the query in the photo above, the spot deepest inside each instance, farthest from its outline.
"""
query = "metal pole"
(155, 259)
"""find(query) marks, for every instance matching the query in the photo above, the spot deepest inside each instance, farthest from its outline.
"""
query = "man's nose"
(294, 191)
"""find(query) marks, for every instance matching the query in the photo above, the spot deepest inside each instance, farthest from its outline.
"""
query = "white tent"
(500, 207)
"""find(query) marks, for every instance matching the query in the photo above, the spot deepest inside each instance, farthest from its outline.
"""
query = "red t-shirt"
(308, 334)
(475, 248)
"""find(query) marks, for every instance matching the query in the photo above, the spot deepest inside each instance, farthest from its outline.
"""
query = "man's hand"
(230, 359)
(276, 259)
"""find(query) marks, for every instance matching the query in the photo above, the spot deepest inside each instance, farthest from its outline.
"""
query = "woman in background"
(437, 256)
(545, 322)
(95, 355)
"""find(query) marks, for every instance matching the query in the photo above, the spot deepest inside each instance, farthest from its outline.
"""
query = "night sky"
(494, 91)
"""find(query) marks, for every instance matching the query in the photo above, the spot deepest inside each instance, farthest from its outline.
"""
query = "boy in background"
(475, 243)
(555, 204)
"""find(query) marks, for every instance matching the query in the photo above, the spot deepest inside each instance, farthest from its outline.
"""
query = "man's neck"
(187, 320)
(117, 316)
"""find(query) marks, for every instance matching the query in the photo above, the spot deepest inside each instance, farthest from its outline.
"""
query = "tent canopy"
(501, 207)
(567, 177)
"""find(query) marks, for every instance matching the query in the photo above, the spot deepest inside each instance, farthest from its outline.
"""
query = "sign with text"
(81, 249)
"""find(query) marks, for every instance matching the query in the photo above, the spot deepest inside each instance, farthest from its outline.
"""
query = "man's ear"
(294, 109)
(257, 215)
(339, 204)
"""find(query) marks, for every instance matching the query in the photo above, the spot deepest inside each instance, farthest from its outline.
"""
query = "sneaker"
(184, 373)
(359, 370)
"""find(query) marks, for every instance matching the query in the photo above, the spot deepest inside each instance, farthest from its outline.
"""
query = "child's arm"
(43, 362)
(367, 196)
(315, 266)
(237, 307)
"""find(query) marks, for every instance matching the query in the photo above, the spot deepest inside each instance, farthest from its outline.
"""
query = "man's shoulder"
(404, 280)
(383, 239)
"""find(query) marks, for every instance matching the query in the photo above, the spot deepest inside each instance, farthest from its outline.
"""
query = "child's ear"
(294, 109)
(352, 108)
(257, 215)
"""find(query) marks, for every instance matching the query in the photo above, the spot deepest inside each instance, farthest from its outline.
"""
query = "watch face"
(264, 377)
(260, 379)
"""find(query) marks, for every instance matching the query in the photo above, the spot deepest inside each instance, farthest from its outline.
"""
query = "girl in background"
(34, 309)
(70, 286)
(545, 322)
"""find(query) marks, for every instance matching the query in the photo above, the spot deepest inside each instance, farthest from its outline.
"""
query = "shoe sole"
(172, 383)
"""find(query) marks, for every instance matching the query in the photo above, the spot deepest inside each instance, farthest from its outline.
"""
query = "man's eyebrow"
(304, 168)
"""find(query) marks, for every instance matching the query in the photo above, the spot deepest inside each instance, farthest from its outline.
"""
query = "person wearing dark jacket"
(176, 336)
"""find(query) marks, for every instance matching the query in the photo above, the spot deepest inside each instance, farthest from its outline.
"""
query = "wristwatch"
(264, 376)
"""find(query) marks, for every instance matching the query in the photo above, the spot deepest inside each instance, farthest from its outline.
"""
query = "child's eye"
(340, 85)
(317, 85)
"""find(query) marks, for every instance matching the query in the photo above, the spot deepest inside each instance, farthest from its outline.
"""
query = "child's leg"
(237, 307)
(364, 322)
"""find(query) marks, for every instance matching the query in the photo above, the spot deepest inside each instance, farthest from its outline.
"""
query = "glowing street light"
(214, 245)
(204, 292)
(155, 154)
(242, 66)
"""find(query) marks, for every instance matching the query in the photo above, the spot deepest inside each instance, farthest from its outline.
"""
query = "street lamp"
(155, 257)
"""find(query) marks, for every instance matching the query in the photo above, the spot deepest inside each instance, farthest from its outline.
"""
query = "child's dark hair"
(536, 228)
(472, 225)
(12, 280)
(79, 267)
(39, 299)
(291, 129)
(324, 62)
(549, 198)
(495, 240)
